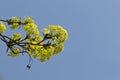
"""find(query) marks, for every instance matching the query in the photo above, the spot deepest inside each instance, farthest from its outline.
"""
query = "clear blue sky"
(92, 51)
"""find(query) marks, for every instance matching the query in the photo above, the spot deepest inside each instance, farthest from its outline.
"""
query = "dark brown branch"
(11, 22)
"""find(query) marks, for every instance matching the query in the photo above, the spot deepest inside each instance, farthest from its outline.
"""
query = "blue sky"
(92, 51)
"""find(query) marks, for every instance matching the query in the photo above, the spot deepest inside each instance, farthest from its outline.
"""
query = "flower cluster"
(2, 27)
(15, 52)
(14, 22)
(38, 45)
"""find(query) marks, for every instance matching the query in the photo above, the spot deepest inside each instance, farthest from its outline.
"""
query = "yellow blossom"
(37, 46)
(15, 22)
(28, 20)
(46, 31)
(15, 53)
(2, 27)
(31, 28)
(16, 36)
(60, 34)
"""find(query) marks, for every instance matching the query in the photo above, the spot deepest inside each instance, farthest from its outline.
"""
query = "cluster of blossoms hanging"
(37, 46)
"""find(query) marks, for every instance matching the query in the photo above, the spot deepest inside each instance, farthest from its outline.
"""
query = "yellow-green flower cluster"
(15, 22)
(30, 27)
(16, 36)
(35, 45)
(28, 20)
(45, 52)
(2, 27)
(59, 33)
(31, 30)
(15, 52)
(46, 31)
